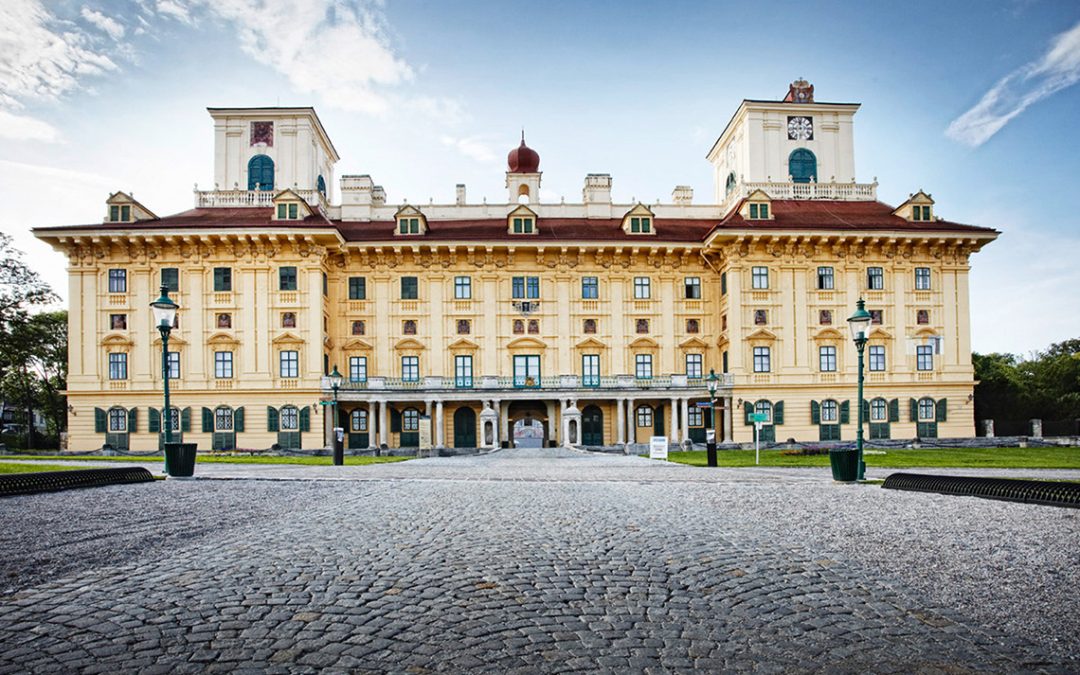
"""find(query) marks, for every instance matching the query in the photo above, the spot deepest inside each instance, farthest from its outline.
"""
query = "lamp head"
(164, 309)
(712, 381)
(859, 322)
(336, 378)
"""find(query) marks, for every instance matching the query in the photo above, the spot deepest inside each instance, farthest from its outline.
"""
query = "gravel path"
(534, 562)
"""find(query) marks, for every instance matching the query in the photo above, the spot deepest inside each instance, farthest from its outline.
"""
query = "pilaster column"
(674, 435)
(685, 418)
(384, 424)
(328, 425)
(440, 429)
(620, 421)
(728, 405)
(631, 422)
(372, 424)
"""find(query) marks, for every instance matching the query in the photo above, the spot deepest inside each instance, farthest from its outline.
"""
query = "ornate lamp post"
(860, 326)
(712, 382)
(164, 309)
(339, 450)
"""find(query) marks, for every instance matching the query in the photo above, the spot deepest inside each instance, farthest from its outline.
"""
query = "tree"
(1045, 386)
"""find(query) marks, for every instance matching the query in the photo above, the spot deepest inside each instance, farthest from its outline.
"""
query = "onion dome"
(523, 159)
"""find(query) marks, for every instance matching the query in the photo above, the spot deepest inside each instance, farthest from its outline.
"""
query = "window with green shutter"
(132, 423)
(409, 288)
(207, 420)
(357, 288)
(305, 419)
(271, 419)
(287, 279)
(185, 420)
(154, 421)
(238, 419)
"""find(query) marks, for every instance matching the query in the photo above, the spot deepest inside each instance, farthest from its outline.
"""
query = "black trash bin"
(845, 464)
(180, 459)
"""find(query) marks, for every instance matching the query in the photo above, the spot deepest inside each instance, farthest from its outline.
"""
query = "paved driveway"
(533, 560)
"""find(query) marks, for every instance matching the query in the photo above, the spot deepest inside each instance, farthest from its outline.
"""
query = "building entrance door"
(592, 426)
(464, 428)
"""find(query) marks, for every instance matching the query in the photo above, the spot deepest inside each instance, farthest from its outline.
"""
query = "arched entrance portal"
(530, 426)
(464, 428)
(592, 426)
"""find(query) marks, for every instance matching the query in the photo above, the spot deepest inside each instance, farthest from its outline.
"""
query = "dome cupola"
(523, 159)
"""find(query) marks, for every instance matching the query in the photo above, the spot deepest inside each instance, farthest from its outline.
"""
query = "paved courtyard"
(546, 561)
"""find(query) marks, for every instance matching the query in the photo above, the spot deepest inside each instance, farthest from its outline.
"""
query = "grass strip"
(214, 459)
(955, 458)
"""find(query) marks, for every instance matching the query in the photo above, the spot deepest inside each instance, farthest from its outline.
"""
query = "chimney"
(460, 194)
(597, 195)
(378, 196)
(682, 194)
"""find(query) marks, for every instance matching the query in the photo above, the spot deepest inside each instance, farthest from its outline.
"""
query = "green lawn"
(8, 467)
(220, 459)
(985, 458)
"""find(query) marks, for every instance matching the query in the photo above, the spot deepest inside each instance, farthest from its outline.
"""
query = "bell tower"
(523, 174)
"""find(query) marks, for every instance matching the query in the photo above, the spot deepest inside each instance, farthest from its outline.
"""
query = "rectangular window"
(644, 416)
(761, 360)
(118, 281)
(223, 419)
(924, 357)
(875, 278)
(173, 359)
(693, 366)
(695, 417)
(825, 279)
(753, 211)
(877, 358)
(293, 211)
(590, 288)
(463, 371)
(114, 213)
(282, 212)
(590, 370)
(222, 279)
(223, 365)
(287, 279)
(289, 363)
(922, 278)
(358, 369)
(525, 287)
(643, 366)
(642, 288)
(357, 288)
(763, 211)
(693, 288)
(170, 279)
(829, 410)
(117, 366)
(463, 288)
(409, 288)
(409, 226)
(527, 371)
(827, 359)
(723, 283)
(410, 368)
(723, 362)
(759, 277)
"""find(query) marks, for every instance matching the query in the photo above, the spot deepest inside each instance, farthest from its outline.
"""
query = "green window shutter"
(185, 420)
(271, 419)
(748, 409)
(913, 410)
(99, 421)
(778, 413)
(133, 423)
(395, 421)
(894, 410)
(207, 421)
(865, 410)
(238, 420)
(305, 419)
(815, 412)
(723, 283)
(942, 410)
(845, 412)
(155, 421)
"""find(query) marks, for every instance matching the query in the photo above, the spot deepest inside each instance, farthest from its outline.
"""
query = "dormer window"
(122, 208)
(919, 208)
(288, 211)
(757, 207)
(408, 226)
(759, 212)
(639, 220)
(920, 213)
(522, 220)
(290, 206)
(524, 225)
(120, 213)
(642, 225)
(410, 222)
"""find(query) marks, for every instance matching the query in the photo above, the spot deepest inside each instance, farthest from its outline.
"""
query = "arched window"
(117, 420)
(879, 411)
(829, 410)
(926, 410)
(261, 173)
(802, 166)
(358, 420)
(764, 408)
(223, 418)
(730, 184)
(321, 185)
(290, 418)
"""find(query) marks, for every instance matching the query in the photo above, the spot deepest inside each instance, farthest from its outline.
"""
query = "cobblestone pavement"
(557, 564)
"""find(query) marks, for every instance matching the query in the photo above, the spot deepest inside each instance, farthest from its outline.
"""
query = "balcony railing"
(550, 383)
(788, 190)
(253, 198)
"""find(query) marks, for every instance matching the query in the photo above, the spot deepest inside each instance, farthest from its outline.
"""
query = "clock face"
(800, 128)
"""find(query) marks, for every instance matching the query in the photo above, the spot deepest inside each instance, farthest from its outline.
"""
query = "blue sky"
(974, 102)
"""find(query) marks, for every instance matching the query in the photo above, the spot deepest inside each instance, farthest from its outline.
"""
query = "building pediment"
(174, 340)
(693, 343)
(287, 339)
(526, 343)
(221, 339)
(356, 344)
(644, 343)
(922, 332)
(461, 344)
(590, 343)
(408, 344)
(761, 334)
(117, 340)
(828, 334)
(879, 332)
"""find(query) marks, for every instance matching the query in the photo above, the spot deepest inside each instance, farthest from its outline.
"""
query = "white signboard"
(710, 436)
(658, 447)
(425, 432)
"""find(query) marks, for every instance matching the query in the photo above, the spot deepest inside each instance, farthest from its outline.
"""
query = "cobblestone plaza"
(532, 561)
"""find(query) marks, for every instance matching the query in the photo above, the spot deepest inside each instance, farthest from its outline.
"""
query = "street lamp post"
(710, 446)
(164, 309)
(860, 325)
(339, 445)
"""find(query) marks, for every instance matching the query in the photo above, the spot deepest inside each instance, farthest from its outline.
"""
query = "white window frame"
(224, 418)
(410, 368)
(827, 358)
(289, 418)
(762, 360)
(358, 369)
(927, 411)
(642, 288)
(644, 415)
(764, 407)
(922, 279)
(643, 369)
(695, 365)
(358, 420)
(289, 363)
(876, 358)
(924, 357)
(759, 278)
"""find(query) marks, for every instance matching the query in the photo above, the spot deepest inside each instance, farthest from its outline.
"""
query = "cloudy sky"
(974, 102)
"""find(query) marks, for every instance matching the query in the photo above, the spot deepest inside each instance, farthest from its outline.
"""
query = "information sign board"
(658, 447)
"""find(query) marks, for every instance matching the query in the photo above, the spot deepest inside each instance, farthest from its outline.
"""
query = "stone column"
(620, 421)
(372, 425)
(505, 432)
(554, 427)
(1036, 428)
(674, 435)
(440, 428)
(384, 424)
(328, 425)
(631, 422)
(686, 419)
(728, 407)
(988, 428)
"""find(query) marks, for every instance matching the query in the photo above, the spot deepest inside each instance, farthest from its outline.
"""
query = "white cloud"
(64, 176)
(42, 58)
(338, 50)
(1058, 68)
(474, 147)
(23, 128)
(107, 24)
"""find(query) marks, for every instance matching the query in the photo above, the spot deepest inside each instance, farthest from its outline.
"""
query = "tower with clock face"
(794, 139)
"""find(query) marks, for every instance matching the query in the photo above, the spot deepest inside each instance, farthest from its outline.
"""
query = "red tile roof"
(787, 215)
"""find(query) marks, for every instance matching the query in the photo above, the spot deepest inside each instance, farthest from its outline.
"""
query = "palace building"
(592, 324)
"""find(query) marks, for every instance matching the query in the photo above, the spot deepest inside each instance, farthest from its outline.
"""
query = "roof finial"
(523, 135)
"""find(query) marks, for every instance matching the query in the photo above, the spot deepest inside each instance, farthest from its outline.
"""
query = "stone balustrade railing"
(553, 383)
(851, 191)
(253, 198)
